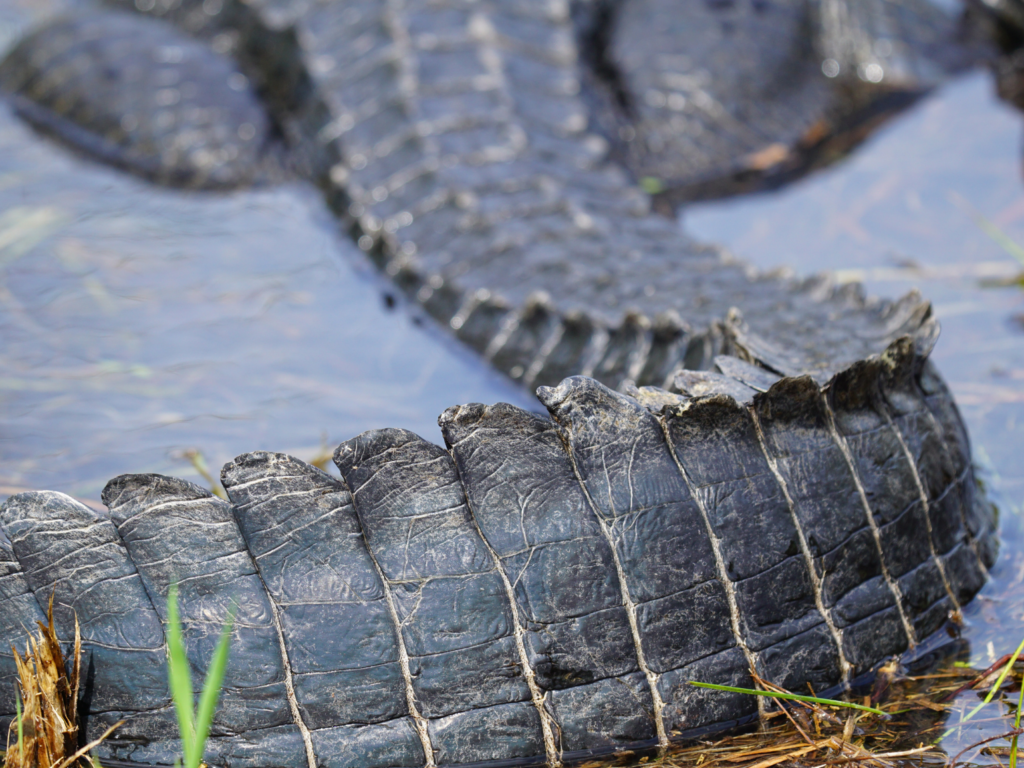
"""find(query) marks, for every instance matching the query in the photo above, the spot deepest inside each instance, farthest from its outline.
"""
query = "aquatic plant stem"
(790, 697)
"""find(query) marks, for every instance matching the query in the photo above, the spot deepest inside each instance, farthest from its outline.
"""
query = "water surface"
(139, 325)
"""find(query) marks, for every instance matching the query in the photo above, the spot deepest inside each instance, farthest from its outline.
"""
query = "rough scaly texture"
(541, 591)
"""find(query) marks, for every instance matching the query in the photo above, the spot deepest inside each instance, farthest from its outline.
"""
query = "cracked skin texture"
(800, 500)
(543, 588)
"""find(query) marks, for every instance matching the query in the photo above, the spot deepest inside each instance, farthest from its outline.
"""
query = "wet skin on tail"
(545, 588)
(542, 590)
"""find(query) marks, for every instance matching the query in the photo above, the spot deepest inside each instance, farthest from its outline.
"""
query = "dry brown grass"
(807, 735)
(46, 736)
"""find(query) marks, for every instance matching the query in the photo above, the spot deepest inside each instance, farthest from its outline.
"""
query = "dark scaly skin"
(510, 226)
(459, 144)
(544, 589)
(730, 96)
(140, 96)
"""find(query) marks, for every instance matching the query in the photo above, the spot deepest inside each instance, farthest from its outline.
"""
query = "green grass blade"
(992, 691)
(1000, 238)
(180, 678)
(1016, 725)
(998, 683)
(1005, 672)
(211, 689)
(21, 729)
(652, 185)
(790, 697)
(994, 233)
(199, 464)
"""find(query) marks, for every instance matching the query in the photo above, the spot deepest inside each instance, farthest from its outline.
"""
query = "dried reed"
(46, 729)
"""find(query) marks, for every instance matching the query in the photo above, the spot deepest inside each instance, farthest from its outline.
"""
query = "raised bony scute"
(540, 591)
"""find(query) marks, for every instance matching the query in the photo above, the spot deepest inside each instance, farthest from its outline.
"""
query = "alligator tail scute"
(553, 583)
(801, 501)
(457, 148)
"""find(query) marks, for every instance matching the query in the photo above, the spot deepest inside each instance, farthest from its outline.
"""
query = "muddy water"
(140, 327)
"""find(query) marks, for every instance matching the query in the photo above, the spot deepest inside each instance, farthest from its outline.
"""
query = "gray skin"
(800, 501)
(140, 96)
(542, 591)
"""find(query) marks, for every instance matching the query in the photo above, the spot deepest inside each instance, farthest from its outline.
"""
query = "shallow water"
(139, 325)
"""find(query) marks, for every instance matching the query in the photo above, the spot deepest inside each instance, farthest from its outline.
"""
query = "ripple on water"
(139, 323)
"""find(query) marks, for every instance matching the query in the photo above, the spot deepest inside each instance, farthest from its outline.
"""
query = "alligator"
(540, 592)
(780, 483)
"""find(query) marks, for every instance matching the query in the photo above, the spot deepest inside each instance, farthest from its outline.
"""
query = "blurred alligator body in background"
(799, 500)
